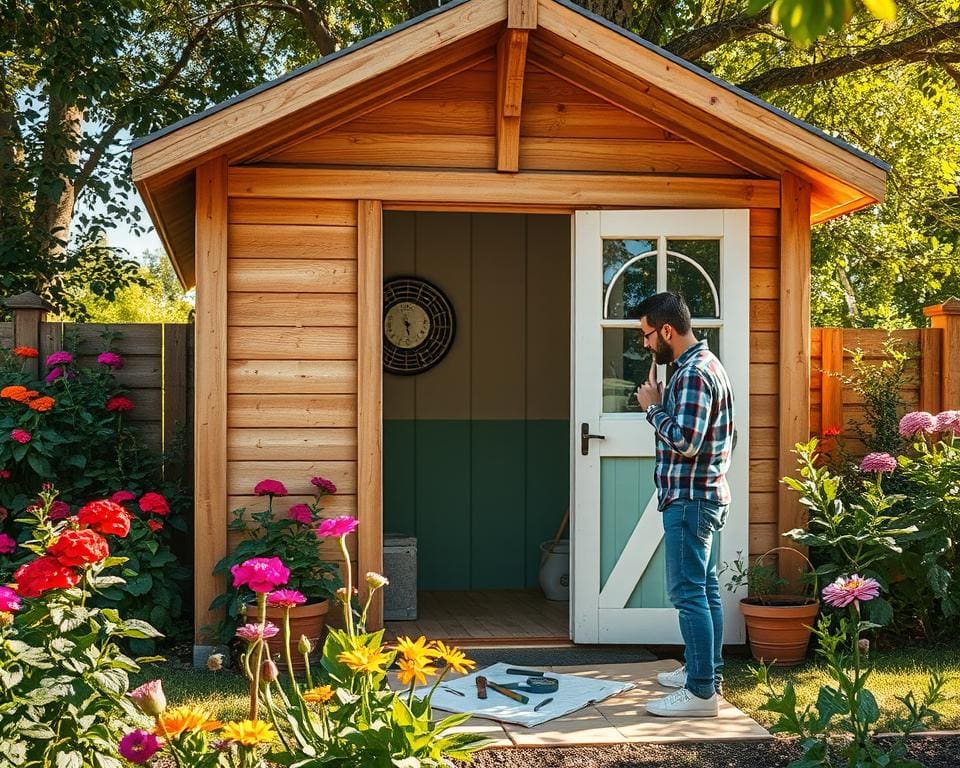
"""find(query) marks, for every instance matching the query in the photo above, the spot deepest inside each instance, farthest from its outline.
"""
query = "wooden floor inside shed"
(487, 617)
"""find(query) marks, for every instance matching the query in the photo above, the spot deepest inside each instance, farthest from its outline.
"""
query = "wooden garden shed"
(536, 171)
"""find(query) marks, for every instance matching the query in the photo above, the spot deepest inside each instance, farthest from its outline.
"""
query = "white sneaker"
(675, 679)
(682, 703)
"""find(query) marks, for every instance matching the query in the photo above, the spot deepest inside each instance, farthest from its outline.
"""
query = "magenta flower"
(111, 359)
(337, 526)
(9, 600)
(54, 374)
(59, 358)
(301, 513)
(21, 436)
(149, 698)
(948, 421)
(122, 496)
(878, 462)
(270, 488)
(327, 486)
(854, 589)
(261, 574)
(251, 632)
(915, 422)
(7, 544)
(59, 510)
(138, 746)
(286, 598)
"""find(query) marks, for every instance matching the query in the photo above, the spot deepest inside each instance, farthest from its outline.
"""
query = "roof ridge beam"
(511, 64)
(522, 14)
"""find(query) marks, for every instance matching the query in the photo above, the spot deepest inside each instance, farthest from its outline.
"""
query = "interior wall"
(476, 460)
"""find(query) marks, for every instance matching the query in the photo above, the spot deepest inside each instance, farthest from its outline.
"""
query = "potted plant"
(778, 625)
(292, 537)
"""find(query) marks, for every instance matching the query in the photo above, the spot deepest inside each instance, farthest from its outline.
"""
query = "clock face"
(418, 325)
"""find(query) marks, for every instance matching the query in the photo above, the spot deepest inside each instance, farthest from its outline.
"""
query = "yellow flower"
(319, 695)
(415, 669)
(364, 659)
(249, 732)
(416, 650)
(177, 720)
(454, 658)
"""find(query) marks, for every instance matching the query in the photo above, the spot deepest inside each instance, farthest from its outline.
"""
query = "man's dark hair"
(665, 309)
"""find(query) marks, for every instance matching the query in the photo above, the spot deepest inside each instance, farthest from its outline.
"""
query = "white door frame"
(599, 616)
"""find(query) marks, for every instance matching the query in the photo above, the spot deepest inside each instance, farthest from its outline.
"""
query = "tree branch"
(694, 44)
(907, 49)
(316, 27)
(653, 28)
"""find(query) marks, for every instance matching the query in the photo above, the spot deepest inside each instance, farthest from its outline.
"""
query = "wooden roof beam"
(521, 14)
(511, 63)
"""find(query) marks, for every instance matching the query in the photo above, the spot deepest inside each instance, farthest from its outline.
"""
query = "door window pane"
(625, 365)
(693, 271)
(629, 275)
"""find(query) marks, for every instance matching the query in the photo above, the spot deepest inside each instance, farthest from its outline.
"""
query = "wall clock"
(418, 325)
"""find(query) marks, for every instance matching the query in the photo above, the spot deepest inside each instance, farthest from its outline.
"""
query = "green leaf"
(140, 584)
(113, 681)
(69, 760)
(137, 628)
(868, 710)
(885, 10)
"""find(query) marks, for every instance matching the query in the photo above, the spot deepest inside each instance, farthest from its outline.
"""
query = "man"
(693, 419)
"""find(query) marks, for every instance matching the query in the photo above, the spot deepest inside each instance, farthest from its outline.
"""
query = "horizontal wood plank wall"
(452, 125)
(764, 376)
(292, 353)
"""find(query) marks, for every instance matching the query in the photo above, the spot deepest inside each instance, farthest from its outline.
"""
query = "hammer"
(481, 687)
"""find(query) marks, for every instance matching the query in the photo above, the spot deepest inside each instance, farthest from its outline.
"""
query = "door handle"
(586, 437)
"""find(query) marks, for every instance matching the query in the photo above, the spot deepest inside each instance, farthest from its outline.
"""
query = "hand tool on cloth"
(539, 685)
(524, 672)
(481, 687)
(542, 704)
(508, 692)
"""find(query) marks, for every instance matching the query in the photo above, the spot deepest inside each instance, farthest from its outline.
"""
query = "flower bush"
(63, 675)
(293, 538)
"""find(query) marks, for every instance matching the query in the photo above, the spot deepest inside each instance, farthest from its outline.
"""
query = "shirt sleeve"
(685, 430)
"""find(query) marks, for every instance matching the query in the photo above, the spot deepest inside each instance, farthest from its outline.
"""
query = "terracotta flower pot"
(308, 620)
(779, 631)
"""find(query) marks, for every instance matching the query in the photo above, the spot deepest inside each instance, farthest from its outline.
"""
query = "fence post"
(831, 388)
(946, 316)
(29, 310)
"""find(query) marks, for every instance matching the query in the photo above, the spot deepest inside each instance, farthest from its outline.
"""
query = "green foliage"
(759, 580)
(806, 20)
(63, 675)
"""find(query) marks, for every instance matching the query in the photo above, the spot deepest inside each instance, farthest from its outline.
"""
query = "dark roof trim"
(726, 85)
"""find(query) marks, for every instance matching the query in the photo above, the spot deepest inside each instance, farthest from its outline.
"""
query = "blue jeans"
(693, 588)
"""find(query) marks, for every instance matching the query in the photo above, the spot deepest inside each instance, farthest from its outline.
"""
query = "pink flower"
(138, 746)
(337, 526)
(854, 589)
(270, 488)
(326, 486)
(286, 598)
(4, 474)
(59, 510)
(111, 359)
(54, 374)
(149, 698)
(917, 421)
(9, 600)
(122, 496)
(948, 421)
(21, 436)
(59, 358)
(301, 513)
(878, 462)
(261, 574)
(7, 544)
(251, 632)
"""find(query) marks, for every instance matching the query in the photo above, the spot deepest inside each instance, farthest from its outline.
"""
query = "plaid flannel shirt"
(694, 426)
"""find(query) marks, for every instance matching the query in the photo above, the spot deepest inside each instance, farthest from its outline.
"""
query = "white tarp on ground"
(575, 692)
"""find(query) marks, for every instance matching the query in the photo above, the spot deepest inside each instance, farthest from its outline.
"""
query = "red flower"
(26, 352)
(154, 525)
(79, 548)
(270, 488)
(59, 510)
(4, 474)
(121, 496)
(119, 403)
(43, 574)
(154, 502)
(105, 516)
(831, 432)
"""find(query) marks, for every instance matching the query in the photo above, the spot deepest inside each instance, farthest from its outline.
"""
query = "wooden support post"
(511, 63)
(946, 317)
(831, 388)
(931, 369)
(210, 402)
(370, 399)
(794, 351)
(29, 310)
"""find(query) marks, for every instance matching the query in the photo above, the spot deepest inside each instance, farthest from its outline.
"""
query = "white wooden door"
(620, 258)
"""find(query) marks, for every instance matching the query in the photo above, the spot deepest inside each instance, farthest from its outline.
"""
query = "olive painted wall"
(476, 459)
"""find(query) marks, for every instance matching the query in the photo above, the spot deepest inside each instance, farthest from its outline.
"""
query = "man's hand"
(650, 392)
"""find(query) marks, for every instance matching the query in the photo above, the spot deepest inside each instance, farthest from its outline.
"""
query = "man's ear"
(663, 328)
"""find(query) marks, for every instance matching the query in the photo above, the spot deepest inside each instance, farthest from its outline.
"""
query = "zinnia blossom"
(948, 421)
(286, 598)
(337, 526)
(154, 525)
(270, 488)
(59, 510)
(78, 548)
(42, 404)
(9, 600)
(149, 698)
(138, 746)
(301, 513)
(155, 503)
(7, 544)
(21, 436)
(878, 462)
(111, 359)
(261, 574)
(251, 632)
(249, 733)
(26, 352)
(915, 422)
(831, 431)
(120, 497)
(855, 589)
(53, 375)
(5, 474)
(14, 392)
(327, 486)
(105, 516)
(42, 575)
(119, 403)
(59, 358)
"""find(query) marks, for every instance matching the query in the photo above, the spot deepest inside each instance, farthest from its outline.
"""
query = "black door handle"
(586, 437)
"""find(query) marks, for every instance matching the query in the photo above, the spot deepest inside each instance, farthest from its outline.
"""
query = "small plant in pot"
(778, 625)
(294, 538)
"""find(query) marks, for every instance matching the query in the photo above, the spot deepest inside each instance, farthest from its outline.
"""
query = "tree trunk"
(620, 12)
(11, 158)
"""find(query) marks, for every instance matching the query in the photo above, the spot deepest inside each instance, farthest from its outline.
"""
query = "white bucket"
(555, 569)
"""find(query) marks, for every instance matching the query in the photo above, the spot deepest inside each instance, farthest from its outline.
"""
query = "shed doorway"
(476, 455)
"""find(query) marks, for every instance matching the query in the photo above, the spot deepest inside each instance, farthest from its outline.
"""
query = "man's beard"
(662, 354)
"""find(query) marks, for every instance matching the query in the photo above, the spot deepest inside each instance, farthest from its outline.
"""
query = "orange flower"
(42, 404)
(26, 352)
(320, 695)
(173, 722)
(417, 669)
(15, 392)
